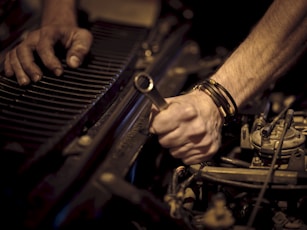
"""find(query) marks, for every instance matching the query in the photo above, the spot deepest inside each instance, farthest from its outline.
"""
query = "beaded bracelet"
(221, 98)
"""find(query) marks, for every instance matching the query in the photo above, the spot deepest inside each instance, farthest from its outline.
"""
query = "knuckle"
(7, 56)
(19, 50)
(163, 142)
(189, 111)
(45, 55)
(13, 58)
(198, 128)
(41, 48)
(166, 142)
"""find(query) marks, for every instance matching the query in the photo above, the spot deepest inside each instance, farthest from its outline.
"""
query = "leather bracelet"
(221, 98)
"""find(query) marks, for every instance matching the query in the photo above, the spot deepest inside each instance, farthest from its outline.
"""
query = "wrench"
(145, 84)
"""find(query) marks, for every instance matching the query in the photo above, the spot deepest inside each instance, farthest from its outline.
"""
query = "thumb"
(80, 46)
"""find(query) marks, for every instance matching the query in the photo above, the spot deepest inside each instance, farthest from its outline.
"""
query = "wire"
(287, 124)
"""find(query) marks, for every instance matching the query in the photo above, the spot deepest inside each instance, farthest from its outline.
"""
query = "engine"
(257, 181)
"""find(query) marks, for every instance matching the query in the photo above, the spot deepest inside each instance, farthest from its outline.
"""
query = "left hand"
(20, 60)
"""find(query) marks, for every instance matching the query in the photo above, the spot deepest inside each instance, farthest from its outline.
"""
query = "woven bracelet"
(221, 97)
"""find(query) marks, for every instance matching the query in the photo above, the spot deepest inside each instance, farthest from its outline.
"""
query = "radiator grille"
(46, 115)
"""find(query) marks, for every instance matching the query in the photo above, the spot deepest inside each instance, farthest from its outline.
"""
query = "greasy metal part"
(267, 145)
(260, 120)
(235, 162)
(286, 177)
(145, 84)
(146, 201)
(300, 121)
(297, 161)
(218, 215)
(267, 129)
(245, 137)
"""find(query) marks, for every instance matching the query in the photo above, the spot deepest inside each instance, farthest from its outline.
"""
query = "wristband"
(221, 98)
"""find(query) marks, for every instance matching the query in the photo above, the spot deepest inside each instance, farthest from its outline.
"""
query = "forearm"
(59, 12)
(272, 47)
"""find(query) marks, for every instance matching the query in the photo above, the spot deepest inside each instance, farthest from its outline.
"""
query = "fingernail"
(74, 61)
(36, 77)
(58, 72)
(23, 81)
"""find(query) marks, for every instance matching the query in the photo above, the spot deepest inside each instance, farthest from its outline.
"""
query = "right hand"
(20, 60)
(190, 127)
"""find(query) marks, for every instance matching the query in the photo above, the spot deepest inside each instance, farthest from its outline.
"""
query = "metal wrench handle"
(145, 84)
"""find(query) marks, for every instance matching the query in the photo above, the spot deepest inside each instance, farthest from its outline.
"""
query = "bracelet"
(221, 98)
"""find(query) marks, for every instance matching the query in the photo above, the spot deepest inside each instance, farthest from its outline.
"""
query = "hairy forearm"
(271, 48)
(59, 12)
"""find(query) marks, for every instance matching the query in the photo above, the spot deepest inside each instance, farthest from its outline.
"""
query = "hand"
(190, 127)
(20, 60)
